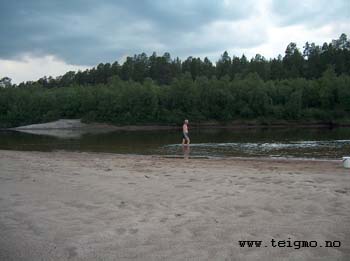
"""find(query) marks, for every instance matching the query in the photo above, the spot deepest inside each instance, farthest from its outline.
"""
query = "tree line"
(308, 63)
(312, 85)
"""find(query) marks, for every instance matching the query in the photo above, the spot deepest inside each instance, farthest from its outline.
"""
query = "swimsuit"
(185, 136)
(185, 132)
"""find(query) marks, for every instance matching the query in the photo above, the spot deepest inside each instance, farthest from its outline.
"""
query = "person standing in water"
(185, 137)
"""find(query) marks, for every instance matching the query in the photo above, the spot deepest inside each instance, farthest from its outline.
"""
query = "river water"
(317, 143)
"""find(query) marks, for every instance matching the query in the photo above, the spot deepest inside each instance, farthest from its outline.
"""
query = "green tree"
(293, 62)
(223, 66)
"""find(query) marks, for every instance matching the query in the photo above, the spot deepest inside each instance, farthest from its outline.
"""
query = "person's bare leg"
(188, 141)
(183, 141)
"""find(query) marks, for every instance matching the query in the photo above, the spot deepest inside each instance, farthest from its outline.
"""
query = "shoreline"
(88, 206)
(193, 157)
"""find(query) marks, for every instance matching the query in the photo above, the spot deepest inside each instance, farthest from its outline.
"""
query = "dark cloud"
(88, 31)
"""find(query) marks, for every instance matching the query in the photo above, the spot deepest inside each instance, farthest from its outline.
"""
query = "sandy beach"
(90, 206)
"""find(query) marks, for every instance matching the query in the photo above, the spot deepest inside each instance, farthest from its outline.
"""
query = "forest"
(308, 85)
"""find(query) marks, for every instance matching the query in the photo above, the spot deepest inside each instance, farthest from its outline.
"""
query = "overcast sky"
(51, 37)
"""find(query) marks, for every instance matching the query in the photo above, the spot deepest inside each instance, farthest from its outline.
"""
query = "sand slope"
(74, 128)
(60, 124)
(86, 206)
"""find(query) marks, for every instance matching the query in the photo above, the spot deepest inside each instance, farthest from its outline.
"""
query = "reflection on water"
(186, 151)
(298, 142)
(63, 133)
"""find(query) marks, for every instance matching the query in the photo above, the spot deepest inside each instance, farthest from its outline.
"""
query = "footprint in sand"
(133, 230)
(24, 178)
(183, 186)
(342, 191)
(6, 178)
(87, 221)
(120, 231)
(270, 209)
(163, 220)
(72, 252)
(313, 209)
(247, 213)
(175, 230)
(122, 204)
(277, 182)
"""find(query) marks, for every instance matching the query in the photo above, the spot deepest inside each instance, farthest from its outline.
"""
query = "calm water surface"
(294, 142)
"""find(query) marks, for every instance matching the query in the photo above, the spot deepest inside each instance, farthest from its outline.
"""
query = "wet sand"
(89, 206)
